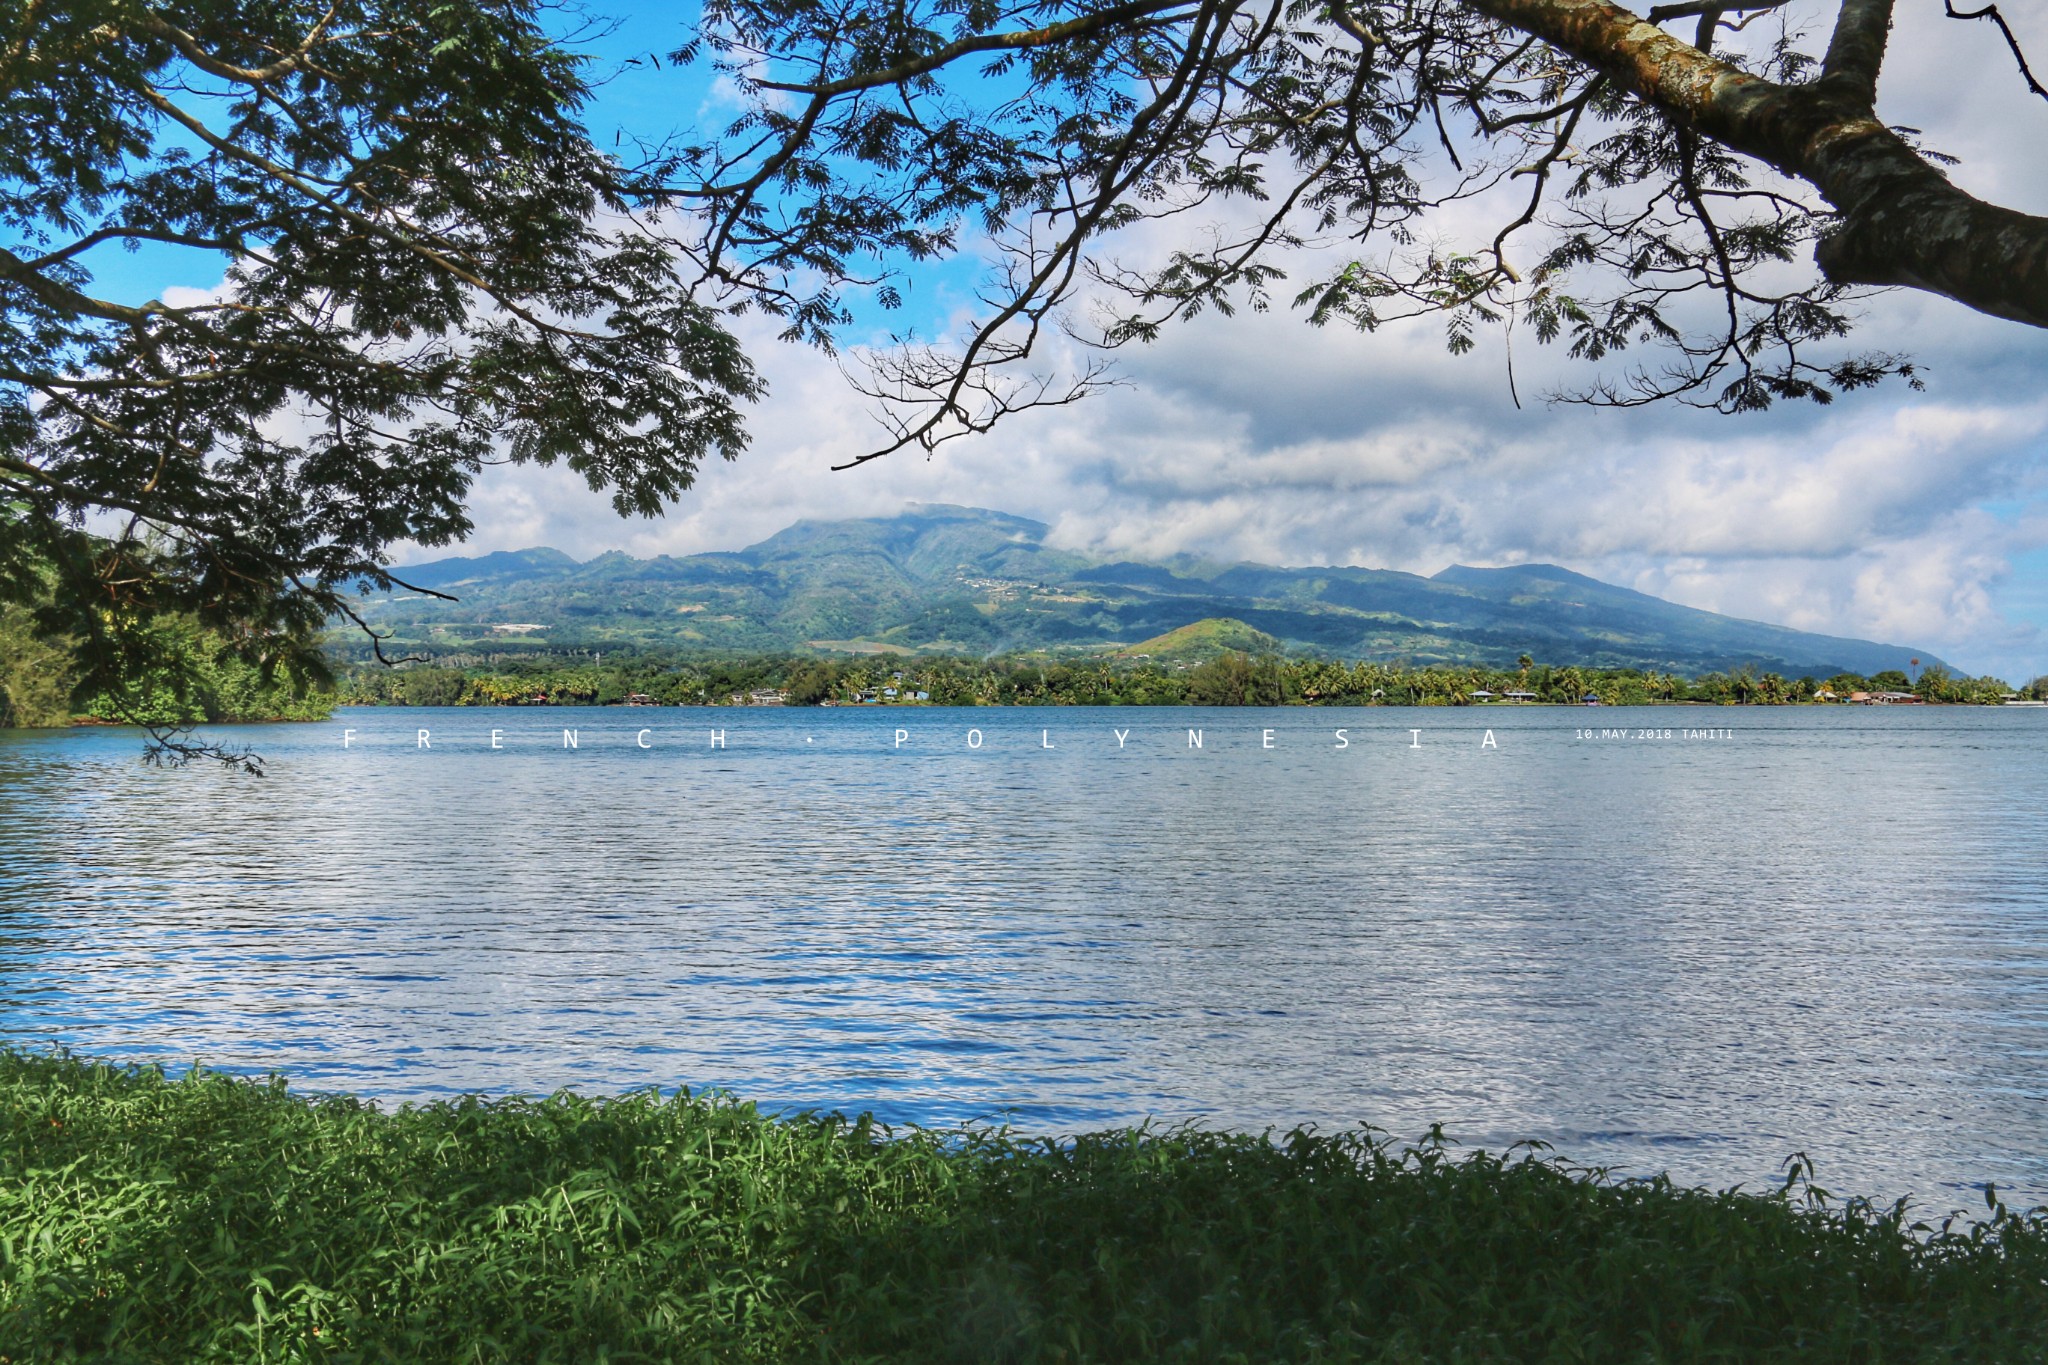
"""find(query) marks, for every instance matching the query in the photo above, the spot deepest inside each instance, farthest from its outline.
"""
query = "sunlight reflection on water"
(1828, 931)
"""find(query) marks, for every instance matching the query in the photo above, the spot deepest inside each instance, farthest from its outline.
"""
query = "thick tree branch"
(1856, 52)
(195, 52)
(1902, 222)
(65, 300)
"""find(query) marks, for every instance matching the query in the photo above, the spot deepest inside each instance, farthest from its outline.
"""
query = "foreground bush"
(206, 1218)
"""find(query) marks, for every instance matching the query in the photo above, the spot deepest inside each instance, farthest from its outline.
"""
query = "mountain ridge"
(941, 578)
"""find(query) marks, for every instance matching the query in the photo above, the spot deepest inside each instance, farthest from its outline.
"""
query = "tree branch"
(64, 299)
(2011, 40)
(1901, 221)
(1856, 52)
(1020, 41)
(196, 54)
(1696, 9)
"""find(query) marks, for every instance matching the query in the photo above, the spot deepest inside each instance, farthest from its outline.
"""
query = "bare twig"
(2011, 40)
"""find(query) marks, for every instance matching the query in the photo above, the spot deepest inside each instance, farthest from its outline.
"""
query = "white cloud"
(1891, 515)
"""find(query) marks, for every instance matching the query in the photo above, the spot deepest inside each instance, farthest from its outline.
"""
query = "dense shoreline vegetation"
(193, 678)
(206, 1218)
(604, 678)
(184, 675)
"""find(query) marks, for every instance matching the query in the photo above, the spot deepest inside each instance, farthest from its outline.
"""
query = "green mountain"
(966, 580)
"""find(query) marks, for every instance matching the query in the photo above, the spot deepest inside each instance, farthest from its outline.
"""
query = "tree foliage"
(1641, 192)
(183, 675)
(430, 268)
(36, 674)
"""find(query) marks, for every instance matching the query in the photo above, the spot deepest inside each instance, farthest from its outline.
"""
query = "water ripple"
(1828, 932)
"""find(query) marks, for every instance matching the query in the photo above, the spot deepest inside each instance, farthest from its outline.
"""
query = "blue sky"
(1915, 518)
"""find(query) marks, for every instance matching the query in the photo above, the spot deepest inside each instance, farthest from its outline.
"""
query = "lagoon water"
(1682, 938)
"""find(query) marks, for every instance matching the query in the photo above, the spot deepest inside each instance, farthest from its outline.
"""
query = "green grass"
(209, 1219)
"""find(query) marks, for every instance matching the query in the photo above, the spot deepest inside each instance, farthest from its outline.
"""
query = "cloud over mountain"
(1891, 514)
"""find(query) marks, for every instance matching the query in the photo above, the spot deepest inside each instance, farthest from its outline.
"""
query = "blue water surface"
(1681, 938)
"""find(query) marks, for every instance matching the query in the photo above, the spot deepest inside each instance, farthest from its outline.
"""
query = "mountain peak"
(1550, 573)
(915, 522)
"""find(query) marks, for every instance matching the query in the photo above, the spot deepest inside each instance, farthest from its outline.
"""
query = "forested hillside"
(965, 581)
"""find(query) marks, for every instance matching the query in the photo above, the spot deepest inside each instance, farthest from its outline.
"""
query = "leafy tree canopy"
(1700, 181)
(431, 268)
(434, 267)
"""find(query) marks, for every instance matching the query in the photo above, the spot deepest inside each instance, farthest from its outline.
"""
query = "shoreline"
(344, 704)
(1155, 706)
